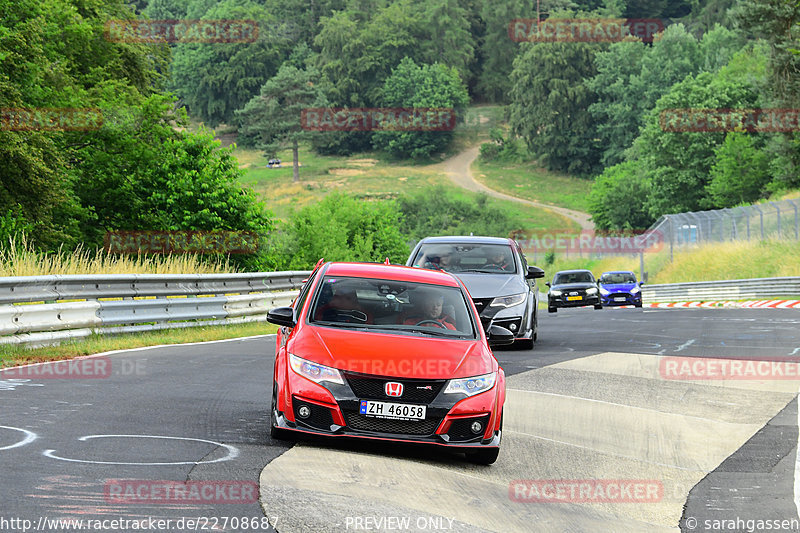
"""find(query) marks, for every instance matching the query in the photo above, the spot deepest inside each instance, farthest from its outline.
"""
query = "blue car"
(620, 288)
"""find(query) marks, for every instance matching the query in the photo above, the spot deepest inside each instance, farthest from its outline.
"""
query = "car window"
(573, 277)
(405, 307)
(481, 258)
(618, 277)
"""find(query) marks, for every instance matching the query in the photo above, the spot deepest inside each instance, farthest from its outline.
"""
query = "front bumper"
(334, 411)
(559, 302)
(613, 298)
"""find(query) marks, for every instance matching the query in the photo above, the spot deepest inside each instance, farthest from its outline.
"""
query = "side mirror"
(641, 283)
(534, 272)
(547, 283)
(282, 316)
(499, 336)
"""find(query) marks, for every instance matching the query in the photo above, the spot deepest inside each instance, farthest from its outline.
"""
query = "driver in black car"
(429, 313)
(441, 258)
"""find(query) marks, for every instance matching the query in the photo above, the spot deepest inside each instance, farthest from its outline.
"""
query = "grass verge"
(532, 182)
(18, 355)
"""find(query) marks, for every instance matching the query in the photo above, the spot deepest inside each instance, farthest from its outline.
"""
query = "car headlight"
(555, 293)
(591, 290)
(314, 371)
(508, 301)
(604, 291)
(635, 290)
(471, 386)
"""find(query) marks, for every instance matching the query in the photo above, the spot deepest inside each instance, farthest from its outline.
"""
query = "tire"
(551, 309)
(484, 457)
(598, 306)
(638, 305)
(274, 431)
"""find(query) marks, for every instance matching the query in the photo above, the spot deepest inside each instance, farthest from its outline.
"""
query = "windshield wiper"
(435, 332)
(486, 271)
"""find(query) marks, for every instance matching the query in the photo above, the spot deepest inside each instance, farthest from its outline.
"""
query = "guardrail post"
(796, 227)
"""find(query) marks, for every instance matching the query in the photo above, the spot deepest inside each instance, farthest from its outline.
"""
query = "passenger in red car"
(429, 312)
(343, 307)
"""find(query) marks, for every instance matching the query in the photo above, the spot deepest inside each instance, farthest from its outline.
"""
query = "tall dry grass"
(19, 258)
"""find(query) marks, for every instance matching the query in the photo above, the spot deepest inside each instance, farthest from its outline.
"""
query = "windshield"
(485, 258)
(618, 277)
(405, 307)
(573, 277)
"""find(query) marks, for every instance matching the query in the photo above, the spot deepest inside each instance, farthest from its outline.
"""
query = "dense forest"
(590, 109)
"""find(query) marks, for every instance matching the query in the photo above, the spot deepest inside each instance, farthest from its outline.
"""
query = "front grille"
(367, 387)
(382, 425)
(481, 303)
(320, 418)
(460, 431)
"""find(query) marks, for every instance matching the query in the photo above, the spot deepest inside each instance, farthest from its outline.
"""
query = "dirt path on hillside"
(458, 169)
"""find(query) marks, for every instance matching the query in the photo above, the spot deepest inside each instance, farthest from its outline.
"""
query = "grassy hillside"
(733, 260)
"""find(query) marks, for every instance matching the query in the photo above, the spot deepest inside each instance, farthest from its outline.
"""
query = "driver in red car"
(429, 313)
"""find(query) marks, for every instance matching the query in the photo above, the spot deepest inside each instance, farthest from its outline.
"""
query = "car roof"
(392, 273)
(617, 272)
(467, 239)
(573, 271)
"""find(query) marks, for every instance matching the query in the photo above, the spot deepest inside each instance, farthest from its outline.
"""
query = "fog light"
(476, 427)
(304, 411)
(513, 327)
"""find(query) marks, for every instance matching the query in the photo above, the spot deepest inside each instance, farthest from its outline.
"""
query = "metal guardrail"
(739, 289)
(40, 310)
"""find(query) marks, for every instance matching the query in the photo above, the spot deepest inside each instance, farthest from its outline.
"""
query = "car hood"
(624, 287)
(570, 286)
(481, 285)
(393, 355)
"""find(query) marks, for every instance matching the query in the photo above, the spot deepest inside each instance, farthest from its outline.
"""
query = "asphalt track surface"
(590, 402)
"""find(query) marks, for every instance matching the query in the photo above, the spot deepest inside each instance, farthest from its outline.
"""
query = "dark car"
(274, 163)
(620, 288)
(497, 276)
(573, 288)
(388, 352)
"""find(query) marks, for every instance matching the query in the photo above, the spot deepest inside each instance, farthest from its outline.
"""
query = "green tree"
(497, 49)
(679, 162)
(215, 79)
(425, 86)
(617, 200)
(550, 104)
(450, 41)
(340, 228)
(740, 172)
(273, 118)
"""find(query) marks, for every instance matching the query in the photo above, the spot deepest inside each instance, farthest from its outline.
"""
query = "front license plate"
(402, 411)
(620, 299)
(571, 298)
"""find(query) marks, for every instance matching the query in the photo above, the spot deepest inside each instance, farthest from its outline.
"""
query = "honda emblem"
(393, 388)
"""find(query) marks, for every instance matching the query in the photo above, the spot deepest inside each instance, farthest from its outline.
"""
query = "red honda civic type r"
(392, 353)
